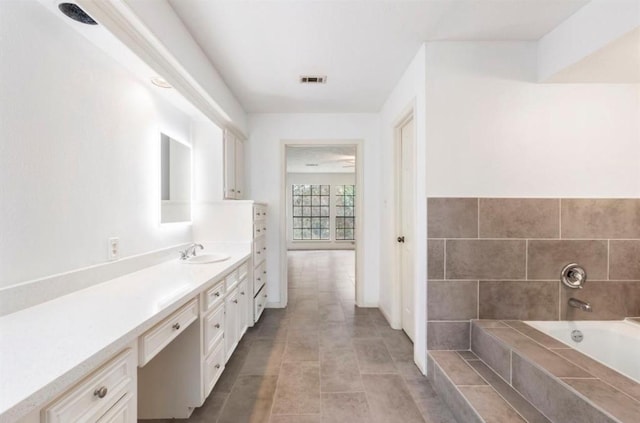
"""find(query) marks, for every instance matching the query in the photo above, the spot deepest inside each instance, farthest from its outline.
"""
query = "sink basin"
(207, 258)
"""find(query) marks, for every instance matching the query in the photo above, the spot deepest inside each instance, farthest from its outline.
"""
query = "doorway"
(321, 203)
(405, 209)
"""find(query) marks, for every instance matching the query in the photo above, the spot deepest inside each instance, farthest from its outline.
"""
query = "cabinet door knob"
(217, 326)
(101, 392)
(217, 294)
(265, 295)
(258, 230)
(242, 293)
(258, 252)
(264, 272)
(235, 301)
(259, 279)
(176, 326)
(217, 366)
(264, 248)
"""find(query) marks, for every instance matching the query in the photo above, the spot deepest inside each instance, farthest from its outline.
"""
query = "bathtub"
(613, 343)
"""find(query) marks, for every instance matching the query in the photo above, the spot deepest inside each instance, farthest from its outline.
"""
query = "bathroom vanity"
(149, 344)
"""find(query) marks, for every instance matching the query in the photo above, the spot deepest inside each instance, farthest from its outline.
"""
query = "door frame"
(419, 231)
(360, 234)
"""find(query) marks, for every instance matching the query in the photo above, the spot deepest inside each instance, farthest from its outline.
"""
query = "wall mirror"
(175, 165)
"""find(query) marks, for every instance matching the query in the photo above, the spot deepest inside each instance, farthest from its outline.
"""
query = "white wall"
(493, 131)
(208, 161)
(265, 173)
(79, 151)
(332, 179)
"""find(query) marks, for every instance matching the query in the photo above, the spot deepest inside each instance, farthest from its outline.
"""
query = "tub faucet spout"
(582, 305)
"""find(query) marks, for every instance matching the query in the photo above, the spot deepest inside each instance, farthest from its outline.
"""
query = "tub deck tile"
(619, 405)
(608, 375)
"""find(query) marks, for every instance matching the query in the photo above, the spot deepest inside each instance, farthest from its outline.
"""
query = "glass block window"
(311, 212)
(345, 212)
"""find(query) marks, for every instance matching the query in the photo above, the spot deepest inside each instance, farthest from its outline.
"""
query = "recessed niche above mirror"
(175, 183)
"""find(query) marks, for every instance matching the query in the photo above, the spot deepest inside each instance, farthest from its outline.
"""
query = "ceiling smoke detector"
(313, 79)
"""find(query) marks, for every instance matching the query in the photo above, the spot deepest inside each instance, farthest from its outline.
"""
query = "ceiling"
(261, 47)
(617, 62)
(329, 159)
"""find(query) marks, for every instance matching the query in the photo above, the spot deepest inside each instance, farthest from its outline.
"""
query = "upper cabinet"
(233, 167)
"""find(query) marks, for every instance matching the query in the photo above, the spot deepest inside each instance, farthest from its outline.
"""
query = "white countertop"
(46, 348)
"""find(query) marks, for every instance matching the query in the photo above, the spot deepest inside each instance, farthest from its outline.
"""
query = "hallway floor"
(322, 359)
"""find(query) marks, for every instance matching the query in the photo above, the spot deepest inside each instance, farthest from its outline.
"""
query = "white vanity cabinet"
(239, 221)
(181, 376)
(106, 395)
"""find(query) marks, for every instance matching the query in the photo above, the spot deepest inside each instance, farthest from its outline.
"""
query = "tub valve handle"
(573, 276)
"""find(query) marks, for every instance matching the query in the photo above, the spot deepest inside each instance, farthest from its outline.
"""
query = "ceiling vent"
(313, 79)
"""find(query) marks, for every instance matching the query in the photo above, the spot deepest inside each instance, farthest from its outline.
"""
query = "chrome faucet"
(576, 303)
(190, 251)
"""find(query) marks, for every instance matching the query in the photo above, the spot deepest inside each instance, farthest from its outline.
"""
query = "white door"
(406, 241)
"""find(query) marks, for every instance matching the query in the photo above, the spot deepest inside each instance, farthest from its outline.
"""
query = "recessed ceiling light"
(160, 82)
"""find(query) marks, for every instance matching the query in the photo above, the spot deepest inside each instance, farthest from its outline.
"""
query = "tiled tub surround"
(500, 258)
(560, 382)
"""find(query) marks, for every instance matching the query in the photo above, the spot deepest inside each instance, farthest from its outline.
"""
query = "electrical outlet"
(114, 248)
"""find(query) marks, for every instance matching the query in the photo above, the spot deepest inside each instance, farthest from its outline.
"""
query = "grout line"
(608, 259)
(478, 217)
(559, 218)
(444, 265)
(526, 260)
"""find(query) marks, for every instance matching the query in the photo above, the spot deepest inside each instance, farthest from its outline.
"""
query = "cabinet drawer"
(92, 398)
(259, 250)
(214, 295)
(213, 329)
(259, 303)
(243, 270)
(259, 276)
(213, 367)
(259, 212)
(152, 342)
(231, 280)
(123, 412)
(259, 229)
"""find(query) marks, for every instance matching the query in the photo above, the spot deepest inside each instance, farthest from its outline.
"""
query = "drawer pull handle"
(259, 279)
(264, 272)
(176, 326)
(258, 252)
(217, 294)
(235, 301)
(258, 230)
(101, 392)
(217, 366)
(242, 293)
(259, 305)
(265, 295)
(264, 248)
(217, 326)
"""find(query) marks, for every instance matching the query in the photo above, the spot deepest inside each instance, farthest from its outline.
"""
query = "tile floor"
(322, 359)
